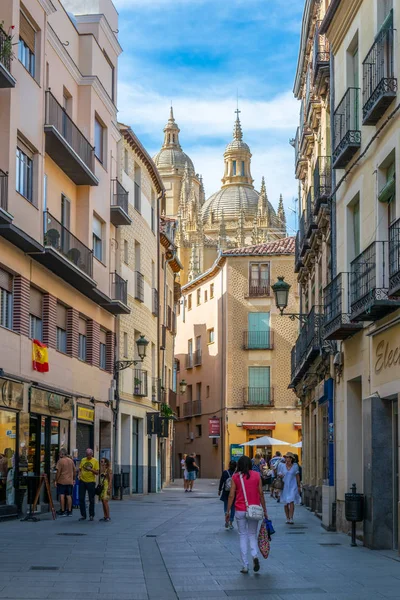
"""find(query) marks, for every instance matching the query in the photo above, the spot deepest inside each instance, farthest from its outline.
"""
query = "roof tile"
(282, 246)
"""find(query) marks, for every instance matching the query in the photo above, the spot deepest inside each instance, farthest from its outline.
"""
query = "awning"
(258, 426)
(298, 425)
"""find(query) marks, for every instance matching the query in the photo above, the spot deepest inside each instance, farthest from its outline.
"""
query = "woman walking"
(258, 463)
(105, 482)
(225, 484)
(250, 480)
(290, 495)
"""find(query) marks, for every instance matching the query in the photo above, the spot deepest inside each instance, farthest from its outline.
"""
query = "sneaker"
(231, 526)
(226, 525)
(69, 513)
(91, 518)
(82, 519)
(256, 565)
(291, 522)
(287, 521)
(186, 491)
(61, 513)
(244, 570)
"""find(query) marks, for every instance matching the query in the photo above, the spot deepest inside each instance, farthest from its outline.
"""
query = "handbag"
(263, 541)
(278, 484)
(253, 511)
(269, 527)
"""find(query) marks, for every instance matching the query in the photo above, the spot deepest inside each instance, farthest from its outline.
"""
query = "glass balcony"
(258, 396)
(337, 323)
(5, 217)
(119, 205)
(346, 130)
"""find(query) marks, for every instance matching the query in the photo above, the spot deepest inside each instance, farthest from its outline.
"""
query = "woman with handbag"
(104, 488)
(225, 484)
(247, 494)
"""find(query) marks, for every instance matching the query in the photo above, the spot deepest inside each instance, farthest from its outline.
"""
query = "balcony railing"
(379, 82)
(259, 287)
(196, 409)
(6, 56)
(137, 198)
(67, 145)
(189, 361)
(119, 288)
(321, 56)
(298, 262)
(139, 382)
(197, 358)
(346, 129)
(258, 340)
(308, 343)
(394, 258)
(59, 238)
(187, 409)
(155, 303)
(303, 239)
(258, 396)
(155, 389)
(337, 323)
(310, 219)
(139, 286)
(3, 189)
(119, 205)
(369, 286)
(322, 182)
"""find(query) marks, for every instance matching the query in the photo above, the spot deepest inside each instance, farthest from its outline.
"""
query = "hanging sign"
(214, 428)
(152, 423)
(163, 430)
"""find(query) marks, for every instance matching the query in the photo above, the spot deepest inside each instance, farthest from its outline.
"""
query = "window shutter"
(6, 280)
(27, 32)
(61, 317)
(36, 303)
(103, 337)
(82, 326)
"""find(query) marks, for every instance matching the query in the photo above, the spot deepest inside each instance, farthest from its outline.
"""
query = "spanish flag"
(40, 357)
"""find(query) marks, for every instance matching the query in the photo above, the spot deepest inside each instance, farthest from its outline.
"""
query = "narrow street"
(173, 546)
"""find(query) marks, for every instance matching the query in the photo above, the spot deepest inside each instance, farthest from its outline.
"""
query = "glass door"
(8, 434)
(395, 446)
(135, 455)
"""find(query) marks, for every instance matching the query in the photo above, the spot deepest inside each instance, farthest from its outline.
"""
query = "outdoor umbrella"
(298, 445)
(266, 441)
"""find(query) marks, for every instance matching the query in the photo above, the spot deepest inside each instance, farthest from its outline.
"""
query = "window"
(384, 8)
(210, 336)
(190, 302)
(138, 195)
(36, 314)
(98, 140)
(153, 211)
(24, 175)
(243, 171)
(212, 290)
(234, 167)
(259, 279)
(258, 334)
(198, 296)
(259, 392)
(82, 340)
(6, 299)
(126, 252)
(125, 344)
(61, 328)
(207, 391)
(26, 44)
(97, 238)
(205, 295)
(190, 350)
(112, 73)
(103, 348)
(355, 227)
(198, 430)
(126, 161)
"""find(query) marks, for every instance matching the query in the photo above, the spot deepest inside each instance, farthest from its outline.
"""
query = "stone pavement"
(173, 546)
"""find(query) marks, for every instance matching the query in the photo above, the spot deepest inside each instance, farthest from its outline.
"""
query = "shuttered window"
(61, 328)
(82, 340)
(258, 330)
(26, 45)
(6, 300)
(36, 303)
(103, 348)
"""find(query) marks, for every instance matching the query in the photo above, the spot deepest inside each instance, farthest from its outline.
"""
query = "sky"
(202, 55)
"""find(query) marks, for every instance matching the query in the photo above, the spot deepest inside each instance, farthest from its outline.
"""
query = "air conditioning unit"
(338, 359)
(191, 435)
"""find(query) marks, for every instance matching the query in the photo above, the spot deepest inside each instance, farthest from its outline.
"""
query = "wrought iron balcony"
(321, 57)
(4, 218)
(308, 344)
(346, 129)
(155, 303)
(119, 205)
(258, 287)
(6, 55)
(394, 259)
(311, 223)
(187, 409)
(139, 286)
(258, 340)
(337, 323)
(189, 361)
(303, 239)
(198, 359)
(67, 145)
(369, 285)
(139, 382)
(196, 408)
(322, 182)
(258, 396)
(298, 262)
(379, 82)
(119, 295)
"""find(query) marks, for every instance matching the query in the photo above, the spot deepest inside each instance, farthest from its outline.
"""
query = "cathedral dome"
(171, 155)
(230, 201)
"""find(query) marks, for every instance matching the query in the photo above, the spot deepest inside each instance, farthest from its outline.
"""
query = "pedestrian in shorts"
(65, 477)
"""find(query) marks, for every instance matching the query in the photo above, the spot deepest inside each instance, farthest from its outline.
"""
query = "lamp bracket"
(120, 365)
(293, 316)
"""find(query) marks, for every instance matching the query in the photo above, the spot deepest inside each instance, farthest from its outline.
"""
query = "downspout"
(167, 262)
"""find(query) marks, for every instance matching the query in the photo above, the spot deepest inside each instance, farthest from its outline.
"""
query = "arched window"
(243, 172)
(234, 167)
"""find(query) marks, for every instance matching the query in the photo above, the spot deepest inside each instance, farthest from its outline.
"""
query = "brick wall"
(93, 343)
(72, 332)
(50, 320)
(21, 305)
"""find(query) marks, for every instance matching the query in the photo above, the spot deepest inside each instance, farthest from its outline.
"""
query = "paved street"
(173, 546)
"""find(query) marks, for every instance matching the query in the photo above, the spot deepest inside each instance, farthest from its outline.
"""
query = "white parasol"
(266, 441)
(298, 445)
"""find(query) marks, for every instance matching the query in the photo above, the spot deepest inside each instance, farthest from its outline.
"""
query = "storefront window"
(8, 435)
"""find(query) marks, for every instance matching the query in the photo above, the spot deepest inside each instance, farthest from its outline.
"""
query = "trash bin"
(117, 481)
(354, 510)
(125, 480)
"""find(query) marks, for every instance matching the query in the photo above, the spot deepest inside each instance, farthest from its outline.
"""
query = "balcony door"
(259, 330)
(259, 386)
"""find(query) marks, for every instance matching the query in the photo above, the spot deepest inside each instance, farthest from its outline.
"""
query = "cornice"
(340, 22)
(106, 28)
(48, 7)
(95, 82)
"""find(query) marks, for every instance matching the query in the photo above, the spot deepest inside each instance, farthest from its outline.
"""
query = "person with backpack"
(224, 488)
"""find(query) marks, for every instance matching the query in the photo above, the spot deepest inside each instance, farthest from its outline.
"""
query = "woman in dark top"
(223, 491)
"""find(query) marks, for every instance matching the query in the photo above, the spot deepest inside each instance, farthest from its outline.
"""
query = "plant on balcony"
(6, 48)
(52, 238)
(166, 411)
(137, 385)
(74, 256)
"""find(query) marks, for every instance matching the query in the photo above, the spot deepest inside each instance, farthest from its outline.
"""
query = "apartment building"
(59, 279)
(312, 373)
(362, 301)
(233, 349)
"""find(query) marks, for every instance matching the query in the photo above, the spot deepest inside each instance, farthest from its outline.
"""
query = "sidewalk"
(173, 546)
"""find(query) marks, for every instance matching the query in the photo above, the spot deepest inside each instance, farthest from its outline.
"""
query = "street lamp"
(141, 345)
(182, 387)
(281, 290)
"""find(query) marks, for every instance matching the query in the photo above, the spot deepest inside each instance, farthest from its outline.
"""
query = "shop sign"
(49, 403)
(214, 428)
(152, 423)
(85, 414)
(236, 451)
(386, 356)
(11, 394)
(163, 427)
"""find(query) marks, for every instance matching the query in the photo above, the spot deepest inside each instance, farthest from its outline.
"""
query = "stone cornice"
(106, 28)
(47, 6)
(336, 27)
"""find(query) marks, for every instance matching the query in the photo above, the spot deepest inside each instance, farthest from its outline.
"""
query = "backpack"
(228, 483)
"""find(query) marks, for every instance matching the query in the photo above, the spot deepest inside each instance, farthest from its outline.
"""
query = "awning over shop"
(297, 425)
(258, 426)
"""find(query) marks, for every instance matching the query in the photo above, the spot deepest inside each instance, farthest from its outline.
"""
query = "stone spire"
(237, 130)
(194, 270)
(254, 233)
(281, 215)
(237, 159)
(241, 234)
(171, 133)
(262, 200)
(202, 195)
(222, 239)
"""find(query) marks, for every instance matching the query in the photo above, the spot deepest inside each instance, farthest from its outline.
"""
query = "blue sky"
(200, 54)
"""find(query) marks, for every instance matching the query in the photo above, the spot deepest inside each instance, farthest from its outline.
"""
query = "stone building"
(233, 349)
(235, 216)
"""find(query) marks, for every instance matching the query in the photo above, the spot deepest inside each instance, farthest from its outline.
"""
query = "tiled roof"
(282, 246)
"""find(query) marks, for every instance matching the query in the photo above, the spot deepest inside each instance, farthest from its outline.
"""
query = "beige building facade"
(58, 273)
(233, 349)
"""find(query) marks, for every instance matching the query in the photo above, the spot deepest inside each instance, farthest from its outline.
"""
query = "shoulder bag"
(254, 511)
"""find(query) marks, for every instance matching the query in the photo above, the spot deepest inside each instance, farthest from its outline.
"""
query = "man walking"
(191, 469)
(274, 464)
(65, 477)
(88, 471)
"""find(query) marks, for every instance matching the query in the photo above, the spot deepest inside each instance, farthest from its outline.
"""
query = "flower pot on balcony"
(74, 256)
(52, 238)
